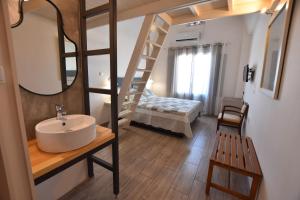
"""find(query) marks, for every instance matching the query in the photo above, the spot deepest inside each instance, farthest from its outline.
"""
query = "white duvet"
(168, 113)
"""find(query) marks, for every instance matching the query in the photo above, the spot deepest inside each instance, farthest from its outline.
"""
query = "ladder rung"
(154, 44)
(134, 93)
(97, 52)
(97, 10)
(148, 57)
(128, 103)
(125, 113)
(139, 82)
(70, 54)
(161, 29)
(100, 91)
(144, 70)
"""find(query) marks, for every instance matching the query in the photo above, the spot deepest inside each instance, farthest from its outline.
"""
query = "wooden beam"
(160, 7)
(195, 11)
(155, 7)
(167, 18)
(241, 8)
(230, 5)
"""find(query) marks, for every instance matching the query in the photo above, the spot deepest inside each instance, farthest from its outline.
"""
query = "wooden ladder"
(150, 40)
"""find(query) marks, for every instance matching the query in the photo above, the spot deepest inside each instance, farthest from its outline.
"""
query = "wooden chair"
(233, 116)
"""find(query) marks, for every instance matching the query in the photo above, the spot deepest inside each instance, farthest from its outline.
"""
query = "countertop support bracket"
(90, 158)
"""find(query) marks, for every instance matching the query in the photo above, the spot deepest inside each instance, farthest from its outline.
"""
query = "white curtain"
(196, 72)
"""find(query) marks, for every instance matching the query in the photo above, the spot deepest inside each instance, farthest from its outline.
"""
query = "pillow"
(148, 93)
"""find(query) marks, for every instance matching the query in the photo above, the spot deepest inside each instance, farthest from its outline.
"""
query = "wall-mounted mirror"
(277, 37)
(46, 59)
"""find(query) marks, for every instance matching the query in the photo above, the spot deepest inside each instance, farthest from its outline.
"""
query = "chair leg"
(218, 124)
(229, 177)
(254, 187)
(209, 176)
(240, 131)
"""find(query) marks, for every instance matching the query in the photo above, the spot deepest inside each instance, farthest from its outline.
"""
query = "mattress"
(168, 113)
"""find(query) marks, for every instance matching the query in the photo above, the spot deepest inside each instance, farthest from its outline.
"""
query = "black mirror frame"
(20, 11)
(60, 27)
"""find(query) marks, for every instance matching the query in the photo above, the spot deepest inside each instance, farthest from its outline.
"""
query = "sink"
(57, 136)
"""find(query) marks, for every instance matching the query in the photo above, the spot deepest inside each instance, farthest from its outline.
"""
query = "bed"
(171, 114)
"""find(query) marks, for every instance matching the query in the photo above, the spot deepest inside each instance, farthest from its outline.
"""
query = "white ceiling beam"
(241, 8)
(195, 11)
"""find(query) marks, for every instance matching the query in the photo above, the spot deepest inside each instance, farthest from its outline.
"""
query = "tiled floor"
(156, 166)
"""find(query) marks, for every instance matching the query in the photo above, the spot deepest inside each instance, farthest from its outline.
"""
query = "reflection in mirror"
(43, 63)
(71, 70)
(69, 46)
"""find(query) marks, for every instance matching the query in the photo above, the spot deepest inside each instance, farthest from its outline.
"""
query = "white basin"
(54, 137)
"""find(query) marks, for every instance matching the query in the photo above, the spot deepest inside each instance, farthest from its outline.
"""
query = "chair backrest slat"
(243, 109)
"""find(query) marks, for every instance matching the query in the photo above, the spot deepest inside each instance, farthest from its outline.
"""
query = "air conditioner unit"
(188, 36)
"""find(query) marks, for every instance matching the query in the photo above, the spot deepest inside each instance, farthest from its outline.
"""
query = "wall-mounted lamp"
(251, 74)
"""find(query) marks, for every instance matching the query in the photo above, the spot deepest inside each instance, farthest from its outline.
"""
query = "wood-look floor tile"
(198, 191)
(161, 167)
(202, 170)
(135, 189)
(185, 178)
(175, 195)
(160, 186)
(194, 155)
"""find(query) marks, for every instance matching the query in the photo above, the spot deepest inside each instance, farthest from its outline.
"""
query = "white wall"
(226, 30)
(274, 124)
(128, 32)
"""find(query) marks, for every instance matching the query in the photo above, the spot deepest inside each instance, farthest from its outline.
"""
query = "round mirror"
(46, 59)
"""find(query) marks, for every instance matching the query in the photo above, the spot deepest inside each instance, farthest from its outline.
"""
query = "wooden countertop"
(43, 162)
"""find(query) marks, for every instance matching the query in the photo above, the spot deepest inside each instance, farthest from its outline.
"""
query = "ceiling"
(181, 11)
(178, 11)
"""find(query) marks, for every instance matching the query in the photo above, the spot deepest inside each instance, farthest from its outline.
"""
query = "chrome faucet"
(60, 112)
